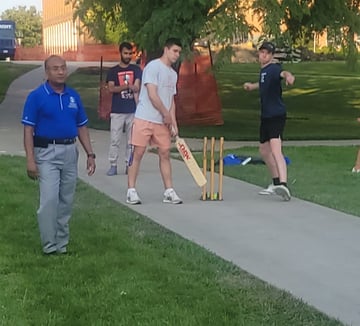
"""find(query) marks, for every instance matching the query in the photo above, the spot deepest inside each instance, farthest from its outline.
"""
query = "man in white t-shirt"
(155, 120)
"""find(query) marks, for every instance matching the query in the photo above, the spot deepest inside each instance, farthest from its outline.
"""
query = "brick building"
(60, 32)
(65, 36)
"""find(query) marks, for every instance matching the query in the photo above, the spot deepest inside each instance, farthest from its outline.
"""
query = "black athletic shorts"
(272, 128)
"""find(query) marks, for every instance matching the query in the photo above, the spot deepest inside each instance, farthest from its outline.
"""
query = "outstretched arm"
(288, 76)
(251, 86)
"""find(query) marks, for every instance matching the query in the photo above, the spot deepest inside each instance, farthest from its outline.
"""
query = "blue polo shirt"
(54, 115)
(272, 104)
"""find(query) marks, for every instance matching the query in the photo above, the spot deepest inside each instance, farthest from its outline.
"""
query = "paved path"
(309, 250)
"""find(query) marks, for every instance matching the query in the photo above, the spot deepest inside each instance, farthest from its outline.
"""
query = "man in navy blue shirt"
(273, 117)
(53, 118)
(124, 84)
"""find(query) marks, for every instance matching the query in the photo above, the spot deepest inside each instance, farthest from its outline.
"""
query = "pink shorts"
(149, 133)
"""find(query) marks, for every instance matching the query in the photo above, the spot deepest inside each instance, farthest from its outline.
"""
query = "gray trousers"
(120, 136)
(57, 167)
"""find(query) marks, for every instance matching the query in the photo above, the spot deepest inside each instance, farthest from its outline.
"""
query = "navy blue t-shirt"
(124, 101)
(272, 104)
(54, 115)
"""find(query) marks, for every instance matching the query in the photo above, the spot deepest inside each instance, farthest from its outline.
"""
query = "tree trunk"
(352, 52)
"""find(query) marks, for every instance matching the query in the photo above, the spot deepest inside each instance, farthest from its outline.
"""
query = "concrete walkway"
(309, 250)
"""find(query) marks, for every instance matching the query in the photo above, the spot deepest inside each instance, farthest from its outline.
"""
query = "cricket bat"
(190, 161)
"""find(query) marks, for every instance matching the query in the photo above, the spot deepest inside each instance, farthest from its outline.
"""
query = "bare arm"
(136, 90)
(251, 86)
(158, 104)
(84, 138)
(174, 129)
(288, 76)
(31, 167)
(116, 89)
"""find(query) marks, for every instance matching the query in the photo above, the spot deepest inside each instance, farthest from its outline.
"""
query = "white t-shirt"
(165, 78)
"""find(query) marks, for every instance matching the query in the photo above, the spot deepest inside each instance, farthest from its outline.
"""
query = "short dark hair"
(173, 41)
(125, 45)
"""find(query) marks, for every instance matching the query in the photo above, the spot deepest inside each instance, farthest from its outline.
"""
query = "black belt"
(44, 142)
(65, 141)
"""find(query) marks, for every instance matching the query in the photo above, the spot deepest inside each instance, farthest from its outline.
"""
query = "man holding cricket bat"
(155, 120)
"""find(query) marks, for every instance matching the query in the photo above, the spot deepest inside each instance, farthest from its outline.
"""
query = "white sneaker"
(268, 191)
(355, 170)
(283, 191)
(171, 197)
(132, 197)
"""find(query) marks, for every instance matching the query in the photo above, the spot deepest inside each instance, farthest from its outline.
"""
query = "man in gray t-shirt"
(155, 120)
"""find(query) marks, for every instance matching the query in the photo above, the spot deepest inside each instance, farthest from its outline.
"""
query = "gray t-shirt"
(165, 78)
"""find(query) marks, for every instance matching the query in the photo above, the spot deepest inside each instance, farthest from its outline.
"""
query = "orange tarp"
(197, 100)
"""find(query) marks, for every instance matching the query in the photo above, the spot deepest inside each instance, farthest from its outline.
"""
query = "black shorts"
(272, 128)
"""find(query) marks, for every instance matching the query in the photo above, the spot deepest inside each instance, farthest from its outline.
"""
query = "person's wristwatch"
(91, 155)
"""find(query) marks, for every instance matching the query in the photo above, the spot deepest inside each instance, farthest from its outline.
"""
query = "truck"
(7, 39)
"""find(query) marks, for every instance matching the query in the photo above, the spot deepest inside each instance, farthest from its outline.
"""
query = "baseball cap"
(268, 46)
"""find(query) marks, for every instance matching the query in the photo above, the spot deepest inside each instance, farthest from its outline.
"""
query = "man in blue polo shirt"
(53, 118)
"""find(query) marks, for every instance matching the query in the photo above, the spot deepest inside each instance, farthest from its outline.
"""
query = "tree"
(226, 22)
(103, 23)
(344, 14)
(307, 16)
(150, 22)
(28, 24)
(159, 19)
(283, 20)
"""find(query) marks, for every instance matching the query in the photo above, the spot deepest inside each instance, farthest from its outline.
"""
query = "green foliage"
(161, 19)
(271, 14)
(149, 23)
(304, 17)
(102, 22)
(293, 14)
(226, 23)
(28, 24)
(223, 57)
(343, 17)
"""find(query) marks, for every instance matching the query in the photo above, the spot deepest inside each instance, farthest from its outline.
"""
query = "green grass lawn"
(323, 104)
(319, 174)
(9, 72)
(123, 269)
